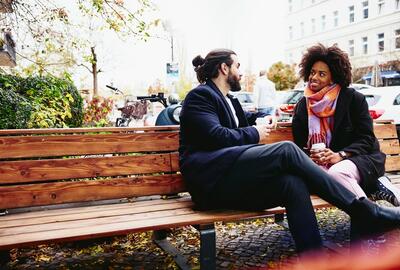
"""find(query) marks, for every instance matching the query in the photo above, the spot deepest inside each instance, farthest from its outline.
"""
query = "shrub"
(97, 111)
(53, 102)
(15, 110)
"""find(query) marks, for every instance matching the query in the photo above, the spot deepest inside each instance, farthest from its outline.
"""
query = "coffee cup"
(318, 146)
(261, 121)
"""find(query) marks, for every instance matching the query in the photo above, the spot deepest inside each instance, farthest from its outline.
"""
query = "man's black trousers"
(280, 174)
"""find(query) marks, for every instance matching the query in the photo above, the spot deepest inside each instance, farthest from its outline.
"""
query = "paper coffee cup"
(318, 146)
(261, 121)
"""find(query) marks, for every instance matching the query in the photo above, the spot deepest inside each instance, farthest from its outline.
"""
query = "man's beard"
(234, 83)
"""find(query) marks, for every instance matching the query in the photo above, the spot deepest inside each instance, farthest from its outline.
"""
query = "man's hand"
(269, 121)
(263, 131)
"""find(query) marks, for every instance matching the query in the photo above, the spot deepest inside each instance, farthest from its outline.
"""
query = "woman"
(337, 116)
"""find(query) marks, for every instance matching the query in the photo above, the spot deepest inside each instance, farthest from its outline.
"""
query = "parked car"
(360, 86)
(286, 103)
(246, 99)
(384, 103)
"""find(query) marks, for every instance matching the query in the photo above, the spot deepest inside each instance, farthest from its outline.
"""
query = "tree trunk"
(94, 72)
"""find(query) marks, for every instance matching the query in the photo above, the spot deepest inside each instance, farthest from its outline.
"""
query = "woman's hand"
(325, 156)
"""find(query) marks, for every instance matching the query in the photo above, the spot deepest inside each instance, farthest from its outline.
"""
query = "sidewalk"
(249, 244)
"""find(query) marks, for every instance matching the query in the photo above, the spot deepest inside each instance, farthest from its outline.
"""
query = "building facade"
(369, 30)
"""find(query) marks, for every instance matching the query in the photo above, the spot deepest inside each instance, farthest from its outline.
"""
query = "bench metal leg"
(160, 239)
(208, 252)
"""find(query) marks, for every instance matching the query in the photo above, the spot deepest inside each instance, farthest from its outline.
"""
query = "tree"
(283, 75)
(55, 39)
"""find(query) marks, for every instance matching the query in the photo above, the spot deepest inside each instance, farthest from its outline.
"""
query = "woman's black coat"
(352, 132)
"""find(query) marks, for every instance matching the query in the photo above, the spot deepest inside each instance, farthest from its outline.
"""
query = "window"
(381, 5)
(336, 18)
(351, 47)
(381, 42)
(397, 38)
(365, 45)
(290, 32)
(323, 22)
(351, 14)
(397, 100)
(365, 9)
(302, 29)
(312, 25)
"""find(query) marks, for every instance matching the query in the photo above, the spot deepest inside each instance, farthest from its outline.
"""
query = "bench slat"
(64, 145)
(92, 190)
(390, 147)
(94, 212)
(392, 163)
(279, 134)
(79, 209)
(55, 169)
(11, 132)
(66, 231)
(385, 131)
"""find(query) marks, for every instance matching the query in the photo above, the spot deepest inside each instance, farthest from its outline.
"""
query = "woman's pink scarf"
(321, 107)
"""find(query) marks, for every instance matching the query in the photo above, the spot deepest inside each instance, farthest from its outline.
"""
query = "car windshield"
(244, 98)
(282, 96)
(372, 99)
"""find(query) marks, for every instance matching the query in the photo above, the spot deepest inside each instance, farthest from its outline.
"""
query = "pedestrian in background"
(265, 94)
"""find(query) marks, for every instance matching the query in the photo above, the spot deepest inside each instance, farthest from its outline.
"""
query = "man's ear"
(224, 69)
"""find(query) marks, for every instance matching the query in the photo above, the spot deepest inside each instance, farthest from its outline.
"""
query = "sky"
(254, 29)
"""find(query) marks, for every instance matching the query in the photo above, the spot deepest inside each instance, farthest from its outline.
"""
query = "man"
(265, 94)
(224, 166)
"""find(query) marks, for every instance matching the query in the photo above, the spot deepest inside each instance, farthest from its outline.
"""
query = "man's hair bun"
(198, 61)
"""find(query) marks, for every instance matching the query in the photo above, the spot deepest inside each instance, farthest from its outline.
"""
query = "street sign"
(172, 70)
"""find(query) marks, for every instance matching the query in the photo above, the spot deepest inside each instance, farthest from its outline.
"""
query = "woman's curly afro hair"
(336, 59)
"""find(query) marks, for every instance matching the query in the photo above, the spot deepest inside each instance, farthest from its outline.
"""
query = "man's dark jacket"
(353, 132)
(210, 140)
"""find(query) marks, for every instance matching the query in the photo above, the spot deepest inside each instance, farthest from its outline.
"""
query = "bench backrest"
(54, 166)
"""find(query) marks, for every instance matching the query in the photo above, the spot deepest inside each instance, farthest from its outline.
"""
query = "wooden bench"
(59, 185)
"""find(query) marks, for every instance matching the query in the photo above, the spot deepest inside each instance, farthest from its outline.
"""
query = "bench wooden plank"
(392, 163)
(126, 224)
(63, 145)
(385, 131)
(390, 147)
(59, 216)
(18, 132)
(76, 209)
(83, 191)
(26, 171)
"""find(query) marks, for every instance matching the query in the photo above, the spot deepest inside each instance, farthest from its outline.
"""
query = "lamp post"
(172, 67)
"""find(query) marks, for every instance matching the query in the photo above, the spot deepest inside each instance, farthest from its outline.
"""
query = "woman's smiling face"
(320, 76)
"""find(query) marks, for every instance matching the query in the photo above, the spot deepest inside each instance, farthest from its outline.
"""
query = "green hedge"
(39, 102)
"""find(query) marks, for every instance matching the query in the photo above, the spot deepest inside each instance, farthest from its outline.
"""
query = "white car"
(246, 99)
(361, 87)
(384, 103)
